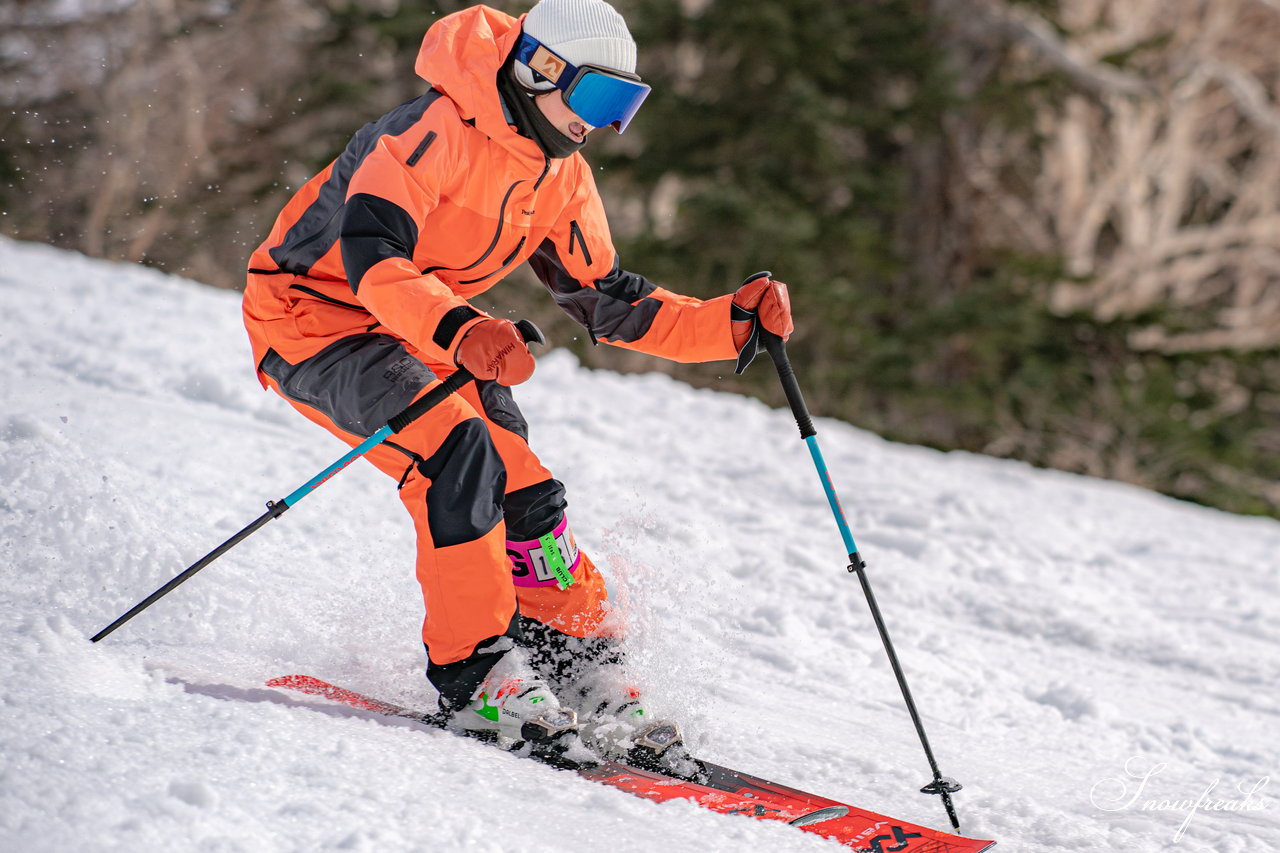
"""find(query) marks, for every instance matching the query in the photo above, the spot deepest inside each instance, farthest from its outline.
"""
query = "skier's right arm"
(387, 204)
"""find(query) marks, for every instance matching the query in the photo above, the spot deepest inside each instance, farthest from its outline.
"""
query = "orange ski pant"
(466, 575)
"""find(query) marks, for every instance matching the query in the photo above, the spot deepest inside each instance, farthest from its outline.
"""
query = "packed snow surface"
(1095, 663)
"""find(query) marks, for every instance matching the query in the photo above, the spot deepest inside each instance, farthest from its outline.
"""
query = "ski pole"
(941, 785)
(275, 509)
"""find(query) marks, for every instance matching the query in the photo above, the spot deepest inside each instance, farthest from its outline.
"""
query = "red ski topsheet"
(733, 792)
(725, 791)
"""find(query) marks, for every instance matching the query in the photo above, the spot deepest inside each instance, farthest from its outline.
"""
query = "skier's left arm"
(579, 265)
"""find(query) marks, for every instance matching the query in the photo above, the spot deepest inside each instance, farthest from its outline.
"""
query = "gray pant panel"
(500, 407)
(359, 382)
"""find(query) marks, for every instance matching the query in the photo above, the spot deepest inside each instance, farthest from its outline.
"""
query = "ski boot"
(514, 706)
(619, 726)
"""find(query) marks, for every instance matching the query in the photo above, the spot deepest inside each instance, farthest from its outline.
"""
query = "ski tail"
(315, 687)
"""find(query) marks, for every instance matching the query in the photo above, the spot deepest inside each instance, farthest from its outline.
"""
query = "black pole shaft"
(275, 510)
(941, 786)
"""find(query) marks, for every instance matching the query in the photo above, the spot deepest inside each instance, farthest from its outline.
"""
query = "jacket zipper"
(325, 298)
(511, 257)
(493, 244)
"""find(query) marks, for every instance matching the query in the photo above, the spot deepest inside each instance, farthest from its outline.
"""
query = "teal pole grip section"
(324, 476)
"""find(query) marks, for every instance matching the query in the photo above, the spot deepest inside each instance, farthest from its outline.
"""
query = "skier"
(357, 303)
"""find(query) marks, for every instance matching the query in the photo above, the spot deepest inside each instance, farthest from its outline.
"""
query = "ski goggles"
(600, 96)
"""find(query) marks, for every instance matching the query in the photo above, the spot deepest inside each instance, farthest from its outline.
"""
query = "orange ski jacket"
(434, 203)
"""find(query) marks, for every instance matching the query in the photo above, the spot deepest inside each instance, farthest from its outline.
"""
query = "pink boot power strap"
(532, 565)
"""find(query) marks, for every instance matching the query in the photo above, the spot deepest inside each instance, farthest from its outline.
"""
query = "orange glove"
(494, 349)
(768, 301)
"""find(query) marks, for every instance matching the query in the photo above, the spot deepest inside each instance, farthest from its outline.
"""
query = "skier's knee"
(468, 480)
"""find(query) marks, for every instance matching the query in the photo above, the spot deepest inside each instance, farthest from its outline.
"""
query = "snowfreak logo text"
(1113, 795)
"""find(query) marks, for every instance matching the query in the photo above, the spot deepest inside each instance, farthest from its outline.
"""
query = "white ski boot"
(618, 724)
(514, 703)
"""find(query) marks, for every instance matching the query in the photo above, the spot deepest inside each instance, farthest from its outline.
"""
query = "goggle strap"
(545, 63)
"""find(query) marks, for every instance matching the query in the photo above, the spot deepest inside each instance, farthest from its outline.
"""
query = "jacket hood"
(460, 56)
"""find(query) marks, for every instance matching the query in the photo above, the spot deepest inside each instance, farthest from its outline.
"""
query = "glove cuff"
(739, 314)
(462, 332)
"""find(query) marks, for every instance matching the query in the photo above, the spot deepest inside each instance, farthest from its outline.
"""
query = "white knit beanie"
(584, 32)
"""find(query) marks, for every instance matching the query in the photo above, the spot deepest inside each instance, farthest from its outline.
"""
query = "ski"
(718, 789)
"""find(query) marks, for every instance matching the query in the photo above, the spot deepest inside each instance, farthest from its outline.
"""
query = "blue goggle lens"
(602, 99)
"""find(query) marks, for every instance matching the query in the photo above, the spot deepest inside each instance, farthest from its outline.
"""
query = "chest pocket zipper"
(421, 149)
(575, 233)
(506, 263)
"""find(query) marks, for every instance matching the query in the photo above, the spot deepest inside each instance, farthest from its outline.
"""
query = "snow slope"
(1064, 637)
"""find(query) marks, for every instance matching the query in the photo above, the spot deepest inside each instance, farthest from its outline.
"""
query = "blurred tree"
(1136, 143)
(777, 138)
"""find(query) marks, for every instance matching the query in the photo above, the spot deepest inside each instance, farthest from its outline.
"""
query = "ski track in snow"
(1055, 629)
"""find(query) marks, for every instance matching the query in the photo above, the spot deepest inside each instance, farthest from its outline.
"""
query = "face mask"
(530, 121)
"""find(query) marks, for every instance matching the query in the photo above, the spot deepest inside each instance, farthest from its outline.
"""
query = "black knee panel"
(468, 480)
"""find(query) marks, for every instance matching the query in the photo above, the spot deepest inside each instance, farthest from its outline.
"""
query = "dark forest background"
(1040, 230)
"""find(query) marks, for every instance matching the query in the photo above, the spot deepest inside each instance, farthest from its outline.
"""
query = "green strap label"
(555, 560)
